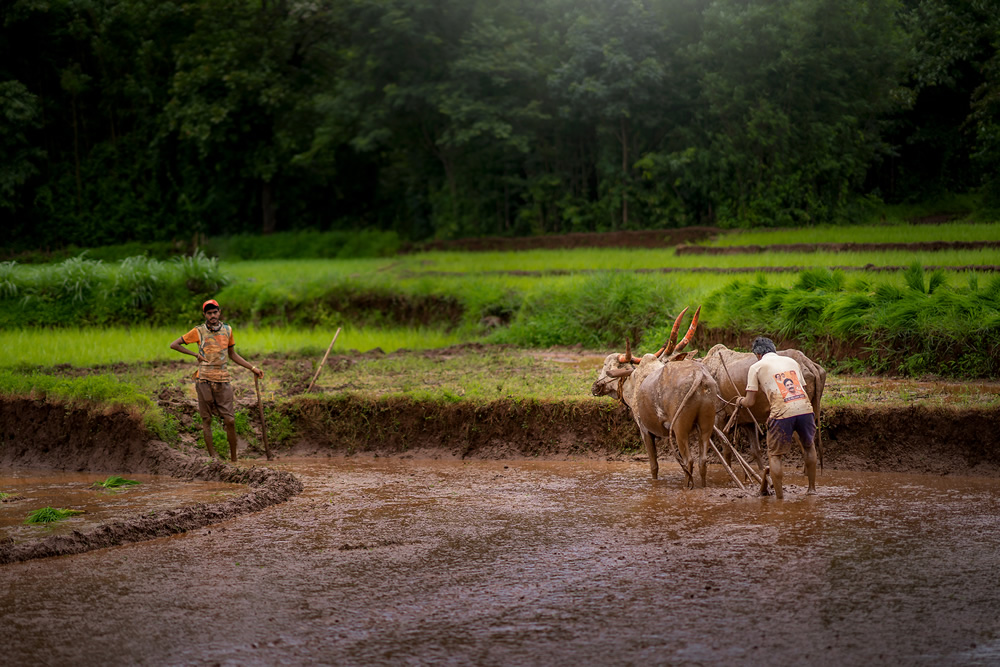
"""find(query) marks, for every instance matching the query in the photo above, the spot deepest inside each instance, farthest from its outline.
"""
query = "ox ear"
(681, 356)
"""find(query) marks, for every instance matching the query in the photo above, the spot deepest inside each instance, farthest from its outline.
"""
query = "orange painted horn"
(622, 358)
(690, 332)
(668, 347)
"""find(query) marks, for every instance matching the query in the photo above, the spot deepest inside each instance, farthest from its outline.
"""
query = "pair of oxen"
(671, 395)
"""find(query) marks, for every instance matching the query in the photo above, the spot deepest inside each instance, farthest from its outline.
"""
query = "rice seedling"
(50, 515)
(4, 496)
(115, 482)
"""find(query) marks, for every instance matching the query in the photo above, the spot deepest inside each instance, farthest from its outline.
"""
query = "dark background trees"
(124, 120)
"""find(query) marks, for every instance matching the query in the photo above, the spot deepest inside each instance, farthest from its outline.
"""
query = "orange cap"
(210, 302)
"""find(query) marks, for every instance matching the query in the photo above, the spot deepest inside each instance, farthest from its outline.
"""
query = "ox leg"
(704, 434)
(650, 442)
(727, 452)
(684, 453)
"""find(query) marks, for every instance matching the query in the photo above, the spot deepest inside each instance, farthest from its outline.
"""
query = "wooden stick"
(746, 466)
(315, 377)
(263, 424)
(726, 466)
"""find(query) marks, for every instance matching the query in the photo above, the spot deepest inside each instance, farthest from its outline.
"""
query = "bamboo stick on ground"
(726, 466)
(322, 363)
(746, 466)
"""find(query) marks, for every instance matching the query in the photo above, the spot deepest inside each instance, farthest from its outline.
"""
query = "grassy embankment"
(945, 320)
(911, 320)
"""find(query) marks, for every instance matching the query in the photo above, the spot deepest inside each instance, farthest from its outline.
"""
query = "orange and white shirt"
(214, 346)
(780, 378)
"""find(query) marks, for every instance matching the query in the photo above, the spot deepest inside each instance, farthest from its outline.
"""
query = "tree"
(241, 94)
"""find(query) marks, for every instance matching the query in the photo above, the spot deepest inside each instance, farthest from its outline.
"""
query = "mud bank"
(913, 439)
(44, 435)
(34, 433)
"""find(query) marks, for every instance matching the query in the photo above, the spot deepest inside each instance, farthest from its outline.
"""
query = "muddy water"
(75, 490)
(556, 563)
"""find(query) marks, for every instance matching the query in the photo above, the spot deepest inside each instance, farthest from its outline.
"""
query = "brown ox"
(665, 398)
(730, 368)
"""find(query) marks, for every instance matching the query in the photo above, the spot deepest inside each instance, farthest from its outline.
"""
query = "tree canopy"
(154, 120)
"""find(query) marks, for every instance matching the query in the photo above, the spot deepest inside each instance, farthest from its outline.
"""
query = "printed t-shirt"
(780, 378)
(214, 346)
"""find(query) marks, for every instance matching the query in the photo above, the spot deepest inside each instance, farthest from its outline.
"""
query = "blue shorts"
(779, 433)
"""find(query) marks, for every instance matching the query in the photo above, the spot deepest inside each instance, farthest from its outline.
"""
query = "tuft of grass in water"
(50, 515)
(4, 496)
(115, 482)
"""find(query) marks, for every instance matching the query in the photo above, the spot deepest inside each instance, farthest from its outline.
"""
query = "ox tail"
(695, 383)
(687, 397)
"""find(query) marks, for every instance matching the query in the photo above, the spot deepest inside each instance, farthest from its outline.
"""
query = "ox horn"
(691, 329)
(668, 347)
(627, 357)
(620, 372)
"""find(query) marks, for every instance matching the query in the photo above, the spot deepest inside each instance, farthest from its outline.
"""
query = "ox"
(665, 397)
(730, 368)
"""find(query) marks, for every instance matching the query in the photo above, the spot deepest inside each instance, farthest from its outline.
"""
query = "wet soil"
(395, 529)
(414, 561)
(929, 434)
(40, 435)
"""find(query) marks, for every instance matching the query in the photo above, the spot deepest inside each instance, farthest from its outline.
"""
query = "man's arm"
(235, 356)
(179, 346)
(748, 400)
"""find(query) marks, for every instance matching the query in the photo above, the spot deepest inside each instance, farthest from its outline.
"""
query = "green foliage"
(115, 482)
(927, 327)
(168, 121)
(50, 515)
(80, 291)
(280, 428)
(305, 245)
(601, 311)
(94, 392)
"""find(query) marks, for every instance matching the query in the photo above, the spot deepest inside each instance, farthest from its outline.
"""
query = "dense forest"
(152, 120)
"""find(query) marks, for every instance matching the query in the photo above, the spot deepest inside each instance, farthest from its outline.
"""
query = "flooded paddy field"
(419, 561)
(37, 488)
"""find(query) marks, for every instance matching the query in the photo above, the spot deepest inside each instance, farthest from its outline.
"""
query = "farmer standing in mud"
(791, 411)
(215, 393)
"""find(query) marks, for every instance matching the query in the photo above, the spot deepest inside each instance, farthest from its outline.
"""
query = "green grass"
(963, 231)
(923, 326)
(95, 392)
(50, 515)
(4, 496)
(487, 375)
(115, 482)
(87, 347)
(621, 259)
